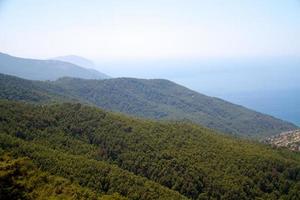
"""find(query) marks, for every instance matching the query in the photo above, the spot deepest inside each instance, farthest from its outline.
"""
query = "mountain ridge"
(35, 69)
(153, 99)
(80, 61)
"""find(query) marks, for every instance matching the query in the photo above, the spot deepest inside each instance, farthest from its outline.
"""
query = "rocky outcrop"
(290, 140)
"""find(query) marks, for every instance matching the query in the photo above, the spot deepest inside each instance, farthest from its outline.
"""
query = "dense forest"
(95, 152)
(152, 99)
(21, 179)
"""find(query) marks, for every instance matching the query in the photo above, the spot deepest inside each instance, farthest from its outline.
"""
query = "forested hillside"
(154, 99)
(139, 159)
(14, 88)
(21, 179)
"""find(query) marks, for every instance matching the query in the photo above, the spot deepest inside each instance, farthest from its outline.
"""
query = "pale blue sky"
(152, 29)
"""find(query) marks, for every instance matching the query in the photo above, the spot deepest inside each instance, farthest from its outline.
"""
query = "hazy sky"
(150, 29)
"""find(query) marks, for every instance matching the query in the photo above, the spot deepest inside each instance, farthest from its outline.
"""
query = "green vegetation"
(139, 159)
(21, 179)
(13, 88)
(153, 99)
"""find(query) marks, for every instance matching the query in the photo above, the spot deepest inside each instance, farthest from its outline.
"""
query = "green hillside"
(163, 99)
(14, 88)
(21, 179)
(140, 159)
(154, 99)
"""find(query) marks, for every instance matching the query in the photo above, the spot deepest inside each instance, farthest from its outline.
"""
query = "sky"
(150, 30)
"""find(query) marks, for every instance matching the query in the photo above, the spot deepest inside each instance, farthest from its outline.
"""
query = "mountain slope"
(80, 61)
(20, 178)
(76, 60)
(155, 99)
(44, 69)
(14, 88)
(79, 142)
(162, 99)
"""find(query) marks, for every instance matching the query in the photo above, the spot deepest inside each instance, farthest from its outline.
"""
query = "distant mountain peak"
(80, 61)
(77, 60)
(51, 69)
